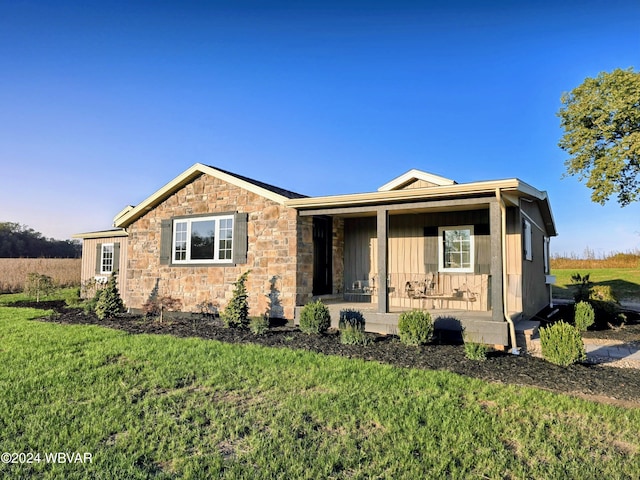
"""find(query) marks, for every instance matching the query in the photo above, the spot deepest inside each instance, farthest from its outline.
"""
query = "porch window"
(106, 258)
(203, 239)
(456, 251)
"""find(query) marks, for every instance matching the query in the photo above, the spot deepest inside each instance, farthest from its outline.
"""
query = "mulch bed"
(620, 386)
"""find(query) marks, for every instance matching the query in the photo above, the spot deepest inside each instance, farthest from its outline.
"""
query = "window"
(456, 251)
(106, 258)
(203, 239)
(526, 235)
(545, 253)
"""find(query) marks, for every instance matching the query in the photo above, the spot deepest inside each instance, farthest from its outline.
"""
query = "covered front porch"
(385, 259)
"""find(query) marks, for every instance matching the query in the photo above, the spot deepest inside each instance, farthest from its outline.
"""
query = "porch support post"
(495, 228)
(383, 248)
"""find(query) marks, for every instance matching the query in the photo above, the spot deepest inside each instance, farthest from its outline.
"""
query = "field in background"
(620, 271)
(624, 282)
(590, 260)
(13, 271)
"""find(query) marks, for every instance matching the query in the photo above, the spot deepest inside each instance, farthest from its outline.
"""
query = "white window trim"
(527, 234)
(216, 243)
(472, 253)
(113, 260)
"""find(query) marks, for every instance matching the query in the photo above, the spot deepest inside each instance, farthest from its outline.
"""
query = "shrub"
(354, 336)
(415, 327)
(315, 318)
(109, 304)
(602, 293)
(259, 325)
(476, 351)
(605, 305)
(581, 287)
(236, 313)
(351, 318)
(351, 326)
(38, 286)
(584, 316)
(561, 344)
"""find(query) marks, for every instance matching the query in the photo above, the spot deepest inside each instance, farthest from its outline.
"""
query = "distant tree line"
(20, 241)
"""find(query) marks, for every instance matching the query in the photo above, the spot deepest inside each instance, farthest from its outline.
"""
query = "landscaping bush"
(109, 304)
(561, 344)
(476, 351)
(38, 286)
(584, 316)
(351, 318)
(354, 336)
(351, 326)
(315, 318)
(415, 327)
(581, 287)
(602, 293)
(236, 313)
(259, 325)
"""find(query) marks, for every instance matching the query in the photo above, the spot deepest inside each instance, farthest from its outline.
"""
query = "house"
(473, 254)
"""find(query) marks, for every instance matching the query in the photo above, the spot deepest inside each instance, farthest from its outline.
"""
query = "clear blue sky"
(103, 102)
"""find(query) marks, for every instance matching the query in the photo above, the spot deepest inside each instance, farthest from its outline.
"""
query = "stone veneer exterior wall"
(277, 243)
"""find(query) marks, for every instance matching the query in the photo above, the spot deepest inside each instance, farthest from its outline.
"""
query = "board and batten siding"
(90, 260)
(413, 253)
(535, 290)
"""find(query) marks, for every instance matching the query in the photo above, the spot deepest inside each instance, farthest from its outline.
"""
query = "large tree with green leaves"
(601, 122)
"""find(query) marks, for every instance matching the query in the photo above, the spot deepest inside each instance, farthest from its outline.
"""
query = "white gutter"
(503, 217)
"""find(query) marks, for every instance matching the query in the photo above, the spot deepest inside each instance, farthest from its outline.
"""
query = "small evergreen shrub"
(351, 326)
(476, 351)
(602, 293)
(236, 313)
(351, 318)
(259, 325)
(315, 318)
(415, 327)
(109, 304)
(581, 287)
(584, 316)
(561, 344)
(354, 336)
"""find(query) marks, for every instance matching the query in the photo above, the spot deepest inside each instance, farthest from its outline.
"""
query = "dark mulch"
(619, 386)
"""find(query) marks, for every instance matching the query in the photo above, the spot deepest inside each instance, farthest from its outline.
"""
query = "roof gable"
(130, 214)
(424, 179)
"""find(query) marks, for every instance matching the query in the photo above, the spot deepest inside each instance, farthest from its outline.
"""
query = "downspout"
(503, 234)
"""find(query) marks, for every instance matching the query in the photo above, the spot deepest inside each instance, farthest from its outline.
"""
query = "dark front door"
(322, 233)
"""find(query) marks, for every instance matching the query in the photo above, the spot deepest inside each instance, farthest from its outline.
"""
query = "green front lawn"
(625, 282)
(162, 407)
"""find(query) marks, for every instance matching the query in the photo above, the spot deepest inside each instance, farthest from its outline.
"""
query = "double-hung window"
(203, 239)
(106, 258)
(456, 249)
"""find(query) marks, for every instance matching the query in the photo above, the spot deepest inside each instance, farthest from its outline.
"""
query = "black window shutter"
(240, 238)
(165, 242)
(116, 257)
(98, 259)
